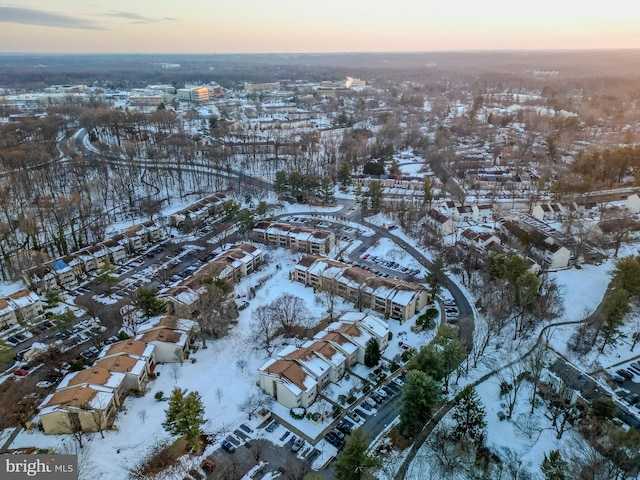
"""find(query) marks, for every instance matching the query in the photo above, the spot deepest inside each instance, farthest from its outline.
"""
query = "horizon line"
(369, 52)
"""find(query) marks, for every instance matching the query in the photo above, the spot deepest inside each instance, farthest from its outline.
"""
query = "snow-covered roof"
(124, 364)
(24, 298)
(95, 375)
(167, 321)
(75, 398)
(376, 326)
(128, 347)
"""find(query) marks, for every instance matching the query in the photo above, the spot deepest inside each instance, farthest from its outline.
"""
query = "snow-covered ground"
(218, 377)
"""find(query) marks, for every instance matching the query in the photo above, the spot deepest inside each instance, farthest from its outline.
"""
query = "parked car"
(207, 465)
(376, 397)
(228, 446)
(618, 378)
(297, 444)
(624, 373)
(381, 392)
(398, 381)
(272, 426)
(21, 372)
(44, 384)
(371, 402)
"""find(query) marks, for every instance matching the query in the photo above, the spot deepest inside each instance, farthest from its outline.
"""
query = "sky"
(299, 26)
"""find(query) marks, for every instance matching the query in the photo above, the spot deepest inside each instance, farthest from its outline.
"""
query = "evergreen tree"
(469, 415)
(344, 174)
(554, 467)
(6, 354)
(627, 275)
(185, 416)
(615, 306)
(245, 221)
(296, 184)
(394, 168)
(375, 195)
(231, 209)
(262, 208)
(420, 395)
(354, 463)
(326, 191)
(436, 277)
(427, 192)
(372, 353)
(281, 182)
(429, 360)
(149, 303)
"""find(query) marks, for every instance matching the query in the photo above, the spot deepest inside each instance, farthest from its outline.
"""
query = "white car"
(44, 384)
(398, 381)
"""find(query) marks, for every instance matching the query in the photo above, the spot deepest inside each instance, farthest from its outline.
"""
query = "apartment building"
(394, 298)
(300, 238)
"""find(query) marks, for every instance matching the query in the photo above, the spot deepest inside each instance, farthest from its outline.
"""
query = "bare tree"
(510, 378)
(290, 312)
(257, 449)
(142, 415)
(264, 326)
(329, 296)
(130, 318)
(71, 423)
(241, 363)
(214, 309)
(616, 226)
(535, 363)
(254, 403)
(296, 470)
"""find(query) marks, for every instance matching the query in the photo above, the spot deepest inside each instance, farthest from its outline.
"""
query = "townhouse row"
(88, 400)
(66, 272)
(390, 297)
(231, 262)
(298, 374)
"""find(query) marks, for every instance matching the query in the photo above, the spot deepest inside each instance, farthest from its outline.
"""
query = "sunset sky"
(257, 26)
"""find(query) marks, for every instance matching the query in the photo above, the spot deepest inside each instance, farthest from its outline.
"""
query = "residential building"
(86, 408)
(300, 238)
(478, 240)
(548, 250)
(171, 336)
(253, 87)
(7, 314)
(302, 371)
(97, 376)
(633, 203)
(134, 369)
(288, 382)
(391, 297)
(26, 304)
(440, 223)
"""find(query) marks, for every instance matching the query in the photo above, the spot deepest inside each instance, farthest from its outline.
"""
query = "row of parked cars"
(451, 311)
(390, 264)
(627, 373)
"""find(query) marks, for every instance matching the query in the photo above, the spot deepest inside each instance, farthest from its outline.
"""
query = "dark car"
(332, 439)
(624, 373)
(207, 465)
(228, 446)
(272, 426)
